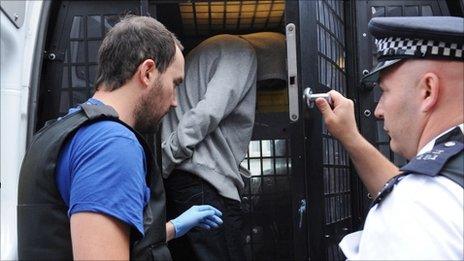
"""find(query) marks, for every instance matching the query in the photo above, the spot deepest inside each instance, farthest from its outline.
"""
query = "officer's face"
(160, 97)
(399, 108)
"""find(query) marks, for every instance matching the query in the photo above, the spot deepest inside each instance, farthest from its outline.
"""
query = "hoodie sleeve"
(233, 76)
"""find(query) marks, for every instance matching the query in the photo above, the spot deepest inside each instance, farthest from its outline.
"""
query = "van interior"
(266, 199)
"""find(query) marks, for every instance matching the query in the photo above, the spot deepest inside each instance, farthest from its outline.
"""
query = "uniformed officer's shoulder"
(414, 182)
(415, 188)
(431, 163)
(427, 177)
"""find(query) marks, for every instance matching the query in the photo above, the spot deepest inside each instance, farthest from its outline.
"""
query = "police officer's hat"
(397, 38)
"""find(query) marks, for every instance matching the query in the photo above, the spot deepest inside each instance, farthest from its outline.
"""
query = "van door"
(322, 48)
(335, 50)
(71, 53)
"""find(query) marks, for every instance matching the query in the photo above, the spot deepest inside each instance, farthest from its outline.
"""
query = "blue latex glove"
(203, 216)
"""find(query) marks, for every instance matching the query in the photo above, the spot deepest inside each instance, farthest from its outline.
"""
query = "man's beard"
(146, 117)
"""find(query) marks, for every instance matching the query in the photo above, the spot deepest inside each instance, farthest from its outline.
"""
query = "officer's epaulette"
(432, 162)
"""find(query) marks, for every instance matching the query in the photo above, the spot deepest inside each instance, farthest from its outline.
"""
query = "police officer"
(417, 211)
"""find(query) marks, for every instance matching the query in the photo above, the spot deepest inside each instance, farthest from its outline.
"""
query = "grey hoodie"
(208, 133)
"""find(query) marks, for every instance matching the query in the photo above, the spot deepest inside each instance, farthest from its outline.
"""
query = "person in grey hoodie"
(207, 135)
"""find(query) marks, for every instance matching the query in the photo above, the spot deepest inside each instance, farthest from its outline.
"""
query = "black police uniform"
(43, 224)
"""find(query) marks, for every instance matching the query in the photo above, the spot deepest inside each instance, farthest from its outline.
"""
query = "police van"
(303, 195)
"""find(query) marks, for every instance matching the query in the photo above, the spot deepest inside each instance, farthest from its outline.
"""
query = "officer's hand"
(204, 216)
(340, 120)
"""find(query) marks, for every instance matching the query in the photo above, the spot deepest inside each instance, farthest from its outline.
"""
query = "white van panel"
(17, 52)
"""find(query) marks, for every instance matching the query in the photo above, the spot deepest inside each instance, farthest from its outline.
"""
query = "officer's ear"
(147, 72)
(429, 90)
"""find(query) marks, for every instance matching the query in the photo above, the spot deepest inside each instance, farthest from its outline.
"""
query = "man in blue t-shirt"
(104, 158)
(101, 170)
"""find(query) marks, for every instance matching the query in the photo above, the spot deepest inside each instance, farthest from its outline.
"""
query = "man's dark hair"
(130, 42)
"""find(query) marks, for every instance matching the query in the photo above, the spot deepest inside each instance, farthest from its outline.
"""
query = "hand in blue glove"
(204, 216)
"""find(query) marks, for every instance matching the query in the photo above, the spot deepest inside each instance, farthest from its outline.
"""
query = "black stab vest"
(43, 224)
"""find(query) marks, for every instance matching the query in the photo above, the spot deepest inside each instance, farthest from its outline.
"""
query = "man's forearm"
(97, 236)
(170, 231)
(372, 167)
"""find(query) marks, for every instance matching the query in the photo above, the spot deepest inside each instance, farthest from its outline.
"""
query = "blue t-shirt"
(102, 169)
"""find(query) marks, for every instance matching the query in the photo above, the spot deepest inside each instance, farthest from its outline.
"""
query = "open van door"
(334, 51)
(71, 53)
(322, 66)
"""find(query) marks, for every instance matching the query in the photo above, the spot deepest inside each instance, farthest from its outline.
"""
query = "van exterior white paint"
(17, 52)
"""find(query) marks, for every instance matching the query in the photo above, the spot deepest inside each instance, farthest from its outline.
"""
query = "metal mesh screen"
(266, 201)
(205, 18)
(336, 172)
(80, 58)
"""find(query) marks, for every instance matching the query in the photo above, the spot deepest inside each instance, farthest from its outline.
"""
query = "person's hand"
(340, 120)
(203, 216)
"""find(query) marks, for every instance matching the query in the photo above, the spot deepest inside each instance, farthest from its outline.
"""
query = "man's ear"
(147, 72)
(429, 90)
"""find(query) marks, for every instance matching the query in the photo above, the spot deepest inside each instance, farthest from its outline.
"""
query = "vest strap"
(96, 111)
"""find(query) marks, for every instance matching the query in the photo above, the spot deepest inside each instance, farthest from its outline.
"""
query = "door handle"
(310, 98)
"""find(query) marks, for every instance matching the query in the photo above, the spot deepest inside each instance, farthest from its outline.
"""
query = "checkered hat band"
(394, 46)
